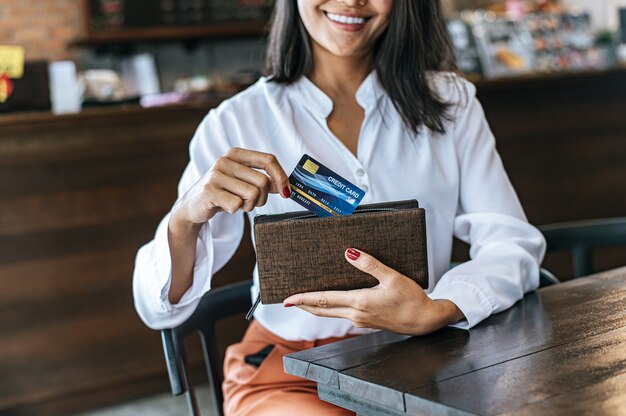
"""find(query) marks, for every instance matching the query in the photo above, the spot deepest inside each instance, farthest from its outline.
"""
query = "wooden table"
(561, 350)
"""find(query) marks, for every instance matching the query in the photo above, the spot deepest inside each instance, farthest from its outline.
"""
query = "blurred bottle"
(66, 91)
(140, 75)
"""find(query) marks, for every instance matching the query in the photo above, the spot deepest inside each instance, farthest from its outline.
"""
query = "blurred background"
(98, 102)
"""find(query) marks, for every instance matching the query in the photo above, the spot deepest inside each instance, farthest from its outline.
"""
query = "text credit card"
(322, 191)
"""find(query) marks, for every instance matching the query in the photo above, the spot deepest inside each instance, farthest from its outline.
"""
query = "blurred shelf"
(600, 81)
(236, 29)
(114, 114)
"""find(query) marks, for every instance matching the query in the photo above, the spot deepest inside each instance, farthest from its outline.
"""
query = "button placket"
(361, 178)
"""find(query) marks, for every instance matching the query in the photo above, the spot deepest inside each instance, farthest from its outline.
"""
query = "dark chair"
(582, 237)
(215, 305)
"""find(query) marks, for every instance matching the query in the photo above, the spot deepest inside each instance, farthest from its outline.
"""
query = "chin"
(344, 51)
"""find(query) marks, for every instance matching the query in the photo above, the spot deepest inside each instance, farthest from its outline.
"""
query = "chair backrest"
(214, 306)
(582, 237)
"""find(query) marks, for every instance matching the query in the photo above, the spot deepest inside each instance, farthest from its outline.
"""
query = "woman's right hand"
(232, 184)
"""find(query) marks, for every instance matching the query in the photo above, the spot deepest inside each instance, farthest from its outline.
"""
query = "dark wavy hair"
(415, 41)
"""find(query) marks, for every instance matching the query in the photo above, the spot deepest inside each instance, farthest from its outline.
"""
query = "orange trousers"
(268, 390)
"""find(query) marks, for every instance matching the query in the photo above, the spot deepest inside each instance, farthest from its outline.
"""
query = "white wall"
(604, 12)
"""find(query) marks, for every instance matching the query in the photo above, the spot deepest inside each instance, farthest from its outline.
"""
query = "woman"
(359, 86)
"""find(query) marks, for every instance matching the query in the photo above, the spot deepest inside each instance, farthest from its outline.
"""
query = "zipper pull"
(254, 306)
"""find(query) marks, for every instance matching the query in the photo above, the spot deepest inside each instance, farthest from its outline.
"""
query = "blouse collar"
(314, 99)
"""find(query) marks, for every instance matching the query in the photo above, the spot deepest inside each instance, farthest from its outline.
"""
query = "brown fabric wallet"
(300, 252)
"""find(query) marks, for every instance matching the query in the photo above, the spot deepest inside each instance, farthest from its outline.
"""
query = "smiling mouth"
(346, 20)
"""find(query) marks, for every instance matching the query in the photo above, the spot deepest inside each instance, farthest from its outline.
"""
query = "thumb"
(370, 265)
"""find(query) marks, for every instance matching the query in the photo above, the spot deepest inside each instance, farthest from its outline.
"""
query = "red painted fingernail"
(286, 192)
(289, 305)
(352, 254)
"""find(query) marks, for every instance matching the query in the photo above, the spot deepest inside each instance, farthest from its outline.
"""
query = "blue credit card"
(322, 191)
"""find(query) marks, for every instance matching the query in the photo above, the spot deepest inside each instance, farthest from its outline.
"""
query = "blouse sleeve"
(217, 241)
(505, 250)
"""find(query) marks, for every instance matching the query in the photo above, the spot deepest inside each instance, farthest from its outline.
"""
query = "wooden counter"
(81, 193)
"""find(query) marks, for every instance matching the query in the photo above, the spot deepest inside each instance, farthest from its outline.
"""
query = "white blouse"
(457, 177)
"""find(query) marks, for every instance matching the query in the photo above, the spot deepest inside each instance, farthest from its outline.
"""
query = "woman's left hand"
(396, 304)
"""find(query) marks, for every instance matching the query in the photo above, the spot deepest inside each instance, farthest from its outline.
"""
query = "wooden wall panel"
(563, 143)
(80, 195)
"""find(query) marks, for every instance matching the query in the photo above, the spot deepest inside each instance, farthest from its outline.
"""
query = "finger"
(370, 265)
(329, 299)
(225, 201)
(248, 193)
(246, 174)
(267, 162)
(346, 313)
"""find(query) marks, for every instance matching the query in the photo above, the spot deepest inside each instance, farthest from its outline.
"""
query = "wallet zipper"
(302, 217)
(254, 306)
(376, 207)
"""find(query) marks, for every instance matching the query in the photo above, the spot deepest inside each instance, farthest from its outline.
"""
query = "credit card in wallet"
(322, 191)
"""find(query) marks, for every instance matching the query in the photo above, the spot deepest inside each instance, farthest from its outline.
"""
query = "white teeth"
(345, 19)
